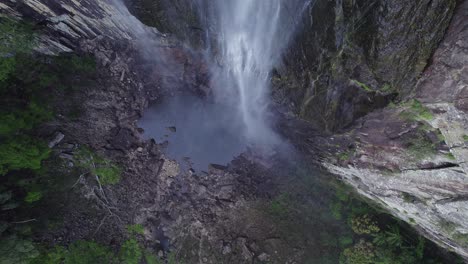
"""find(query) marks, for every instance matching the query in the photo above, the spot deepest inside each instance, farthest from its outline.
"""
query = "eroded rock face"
(336, 69)
(351, 57)
(66, 24)
(412, 158)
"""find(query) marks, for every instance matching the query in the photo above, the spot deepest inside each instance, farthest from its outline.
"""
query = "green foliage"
(364, 225)
(22, 153)
(419, 250)
(361, 253)
(107, 172)
(345, 241)
(15, 37)
(22, 119)
(80, 252)
(336, 209)
(363, 86)
(33, 196)
(344, 156)
(450, 156)
(152, 259)
(83, 252)
(17, 250)
(390, 238)
(416, 111)
(419, 146)
(461, 238)
(130, 253)
(279, 207)
(465, 137)
(136, 229)
(387, 89)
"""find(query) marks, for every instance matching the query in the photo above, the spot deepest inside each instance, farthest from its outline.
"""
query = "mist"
(244, 41)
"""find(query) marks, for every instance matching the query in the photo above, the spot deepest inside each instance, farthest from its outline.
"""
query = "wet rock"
(263, 257)
(58, 137)
(340, 71)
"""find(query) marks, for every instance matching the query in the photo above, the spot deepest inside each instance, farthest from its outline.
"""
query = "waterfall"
(251, 36)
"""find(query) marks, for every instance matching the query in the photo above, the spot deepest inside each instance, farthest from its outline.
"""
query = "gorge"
(192, 131)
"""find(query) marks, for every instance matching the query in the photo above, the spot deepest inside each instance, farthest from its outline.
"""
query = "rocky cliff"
(350, 59)
(412, 157)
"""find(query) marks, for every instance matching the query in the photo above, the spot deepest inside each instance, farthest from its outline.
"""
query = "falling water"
(251, 37)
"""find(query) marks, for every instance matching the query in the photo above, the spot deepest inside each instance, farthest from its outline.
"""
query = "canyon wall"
(352, 57)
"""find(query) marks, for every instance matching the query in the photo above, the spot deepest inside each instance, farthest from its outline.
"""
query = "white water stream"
(251, 38)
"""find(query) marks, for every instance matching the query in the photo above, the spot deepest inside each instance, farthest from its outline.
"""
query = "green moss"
(465, 137)
(461, 238)
(279, 207)
(408, 198)
(336, 208)
(136, 229)
(419, 146)
(364, 86)
(450, 156)
(33, 196)
(416, 111)
(387, 89)
(447, 226)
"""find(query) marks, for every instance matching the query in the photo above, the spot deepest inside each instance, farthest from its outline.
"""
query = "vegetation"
(415, 111)
(136, 229)
(364, 225)
(105, 170)
(465, 137)
(364, 86)
(420, 146)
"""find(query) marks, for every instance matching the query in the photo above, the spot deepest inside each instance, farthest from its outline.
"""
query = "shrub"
(17, 250)
(416, 111)
(130, 253)
(136, 229)
(420, 146)
(15, 37)
(22, 153)
(33, 196)
(364, 225)
(107, 172)
(361, 253)
(84, 252)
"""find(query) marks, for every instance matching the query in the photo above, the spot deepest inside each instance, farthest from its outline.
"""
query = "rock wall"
(412, 158)
(352, 57)
(66, 24)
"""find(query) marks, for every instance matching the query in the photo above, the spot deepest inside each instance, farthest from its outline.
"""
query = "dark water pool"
(198, 133)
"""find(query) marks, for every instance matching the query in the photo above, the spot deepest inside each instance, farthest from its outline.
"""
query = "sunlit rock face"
(68, 23)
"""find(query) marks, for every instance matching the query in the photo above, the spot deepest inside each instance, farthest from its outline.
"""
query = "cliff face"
(69, 25)
(349, 59)
(412, 158)
(352, 57)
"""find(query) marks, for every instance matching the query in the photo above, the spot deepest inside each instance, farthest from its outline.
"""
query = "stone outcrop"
(349, 58)
(352, 57)
(65, 25)
(412, 158)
